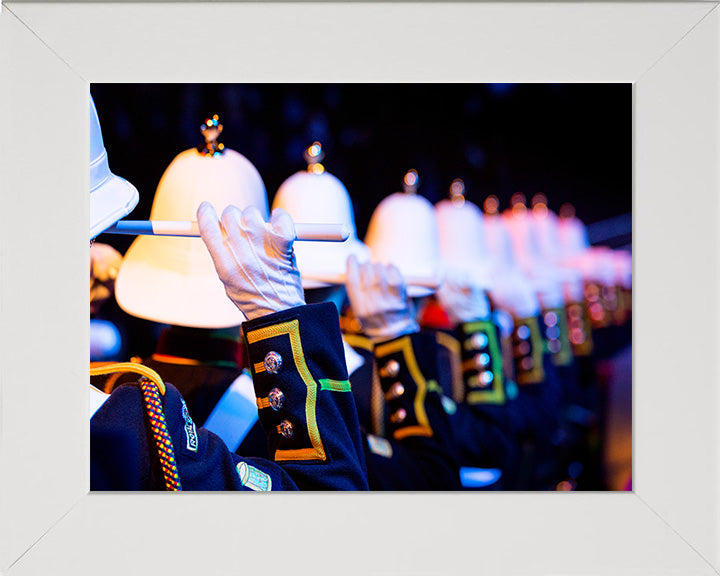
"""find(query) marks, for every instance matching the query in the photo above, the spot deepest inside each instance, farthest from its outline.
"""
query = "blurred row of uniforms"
(496, 389)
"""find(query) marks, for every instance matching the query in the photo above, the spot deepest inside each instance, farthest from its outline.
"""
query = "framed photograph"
(49, 56)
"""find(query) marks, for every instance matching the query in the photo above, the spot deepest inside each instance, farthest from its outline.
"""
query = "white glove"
(379, 300)
(254, 259)
(462, 299)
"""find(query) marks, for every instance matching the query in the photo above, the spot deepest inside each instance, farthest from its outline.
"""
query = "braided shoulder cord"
(152, 386)
(153, 406)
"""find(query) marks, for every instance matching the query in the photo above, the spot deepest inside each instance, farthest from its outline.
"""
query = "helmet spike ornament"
(457, 192)
(211, 130)
(411, 182)
(313, 156)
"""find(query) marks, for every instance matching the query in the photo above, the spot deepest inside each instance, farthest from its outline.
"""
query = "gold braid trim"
(124, 367)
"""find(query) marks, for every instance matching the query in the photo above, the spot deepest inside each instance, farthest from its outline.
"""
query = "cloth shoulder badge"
(379, 446)
(253, 478)
(191, 436)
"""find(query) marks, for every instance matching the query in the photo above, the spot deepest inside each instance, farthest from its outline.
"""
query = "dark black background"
(572, 142)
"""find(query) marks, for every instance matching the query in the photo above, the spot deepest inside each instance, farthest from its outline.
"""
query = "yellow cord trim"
(358, 341)
(404, 345)
(453, 346)
(259, 367)
(262, 403)
(123, 367)
(335, 385)
(292, 329)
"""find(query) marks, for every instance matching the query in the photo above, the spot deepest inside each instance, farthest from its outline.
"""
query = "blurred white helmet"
(623, 268)
(535, 243)
(463, 239)
(403, 231)
(512, 289)
(592, 262)
(111, 197)
(172, 280)
(320, 198)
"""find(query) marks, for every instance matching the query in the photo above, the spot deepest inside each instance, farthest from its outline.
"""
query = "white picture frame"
(49, 523)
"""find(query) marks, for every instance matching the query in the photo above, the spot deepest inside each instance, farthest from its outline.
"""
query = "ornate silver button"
(396, 390)
(272, 362)
(276, 399)
(398, 416)
(550, 319)
(482, 360)
(390, 370)
(286, 429)
(479, 340)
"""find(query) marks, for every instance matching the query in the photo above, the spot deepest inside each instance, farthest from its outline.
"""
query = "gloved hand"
(379, 300)
(463, 299)
(254, 259)
(104, 265)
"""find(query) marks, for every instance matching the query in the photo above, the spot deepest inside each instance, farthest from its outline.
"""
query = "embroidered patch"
(449, 405)
(191, 436)
(253, 478)
(379, 446)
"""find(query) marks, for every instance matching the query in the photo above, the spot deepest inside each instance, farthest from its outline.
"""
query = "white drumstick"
(305, 232)
(339, 279)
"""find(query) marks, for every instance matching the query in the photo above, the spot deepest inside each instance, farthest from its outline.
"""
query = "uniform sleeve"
(470, 367)
(420, 440)
(142, 443)
(304, 397)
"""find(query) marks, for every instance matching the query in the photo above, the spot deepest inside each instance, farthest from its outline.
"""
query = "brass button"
(396, 390)
(286, 429)
(479, 340)
(390, 370)
(482, 360)
(276, 399)
(398, 416)
(272, 362)
(550, 319)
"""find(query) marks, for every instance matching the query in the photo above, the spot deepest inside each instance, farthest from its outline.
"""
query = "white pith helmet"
(535, 243)
(463, 239)
(512, 289)
(111, 197)
(172, 280)
(319, 197)
(592, 262)
(403, 231)
(623, 268)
